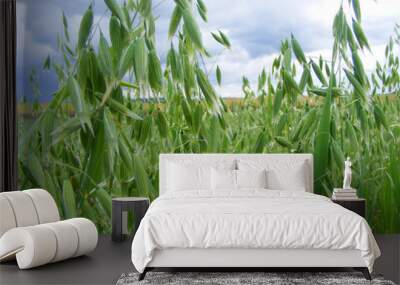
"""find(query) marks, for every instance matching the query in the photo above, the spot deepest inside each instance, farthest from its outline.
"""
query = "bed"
(245, 211)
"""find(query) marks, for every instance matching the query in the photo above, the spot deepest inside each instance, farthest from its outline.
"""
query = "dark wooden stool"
(138, 205)
(357, 205)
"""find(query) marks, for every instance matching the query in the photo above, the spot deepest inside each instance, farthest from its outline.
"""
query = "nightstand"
(356, 205)
(138, 205)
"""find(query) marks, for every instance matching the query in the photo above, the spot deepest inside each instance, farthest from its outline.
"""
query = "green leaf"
(214, 135)
(290, 82)
(218, 38)
(186, 112)
(125, 154)
(218, 75)
(52, 188)
(115, 106)
(145, 130)
(145, 7)
(140, 60)
(338, 153)
(117, 11)
(197, 118)
(94, 168)
(362, 116)
(202, 5)
(192, 28)
(65, 24)
(104, 199)
(162, 124)
(126, 60)
(175, 20)
(298, 52)
(284, 142)
(260, 142)
(281, 124)
(190, 77)
(225, 40)
(309, 120)
(357, 9)
(360, 36)
(66, 129)
(322, 139)
(85, 27)
(304, 78)
(155, 71)
(173, 64)
(356, 84)
(207, 90)
(201, 8)
(350, 38)
(358, 68)
(111, 135)
(262, 79)
(116, 36)
(351, 134)
(318, 72)
(35, 168)
(69, 200)
(287, 58)
(222, 39)
(141, 176)
(83, 68)
(339, 29)
(105, 60)
(380, 117)
(75, 93)
(88, 211)
(277, 101)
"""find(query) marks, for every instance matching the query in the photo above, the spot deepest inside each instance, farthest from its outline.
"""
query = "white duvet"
(250, 219)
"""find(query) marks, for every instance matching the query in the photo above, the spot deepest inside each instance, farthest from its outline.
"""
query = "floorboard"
(110, 260)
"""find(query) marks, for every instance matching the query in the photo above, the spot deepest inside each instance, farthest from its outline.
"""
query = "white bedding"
(251, 218)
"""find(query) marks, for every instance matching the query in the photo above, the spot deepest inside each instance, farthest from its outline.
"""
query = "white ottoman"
(31, 232)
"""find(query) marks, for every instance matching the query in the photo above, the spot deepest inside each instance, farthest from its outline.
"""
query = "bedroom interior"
(170, 142)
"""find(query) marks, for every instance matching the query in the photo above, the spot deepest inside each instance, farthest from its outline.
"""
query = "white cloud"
(310, 21)
(235, 64)
(255, 29)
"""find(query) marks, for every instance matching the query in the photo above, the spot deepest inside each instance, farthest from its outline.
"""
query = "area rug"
(269, 278)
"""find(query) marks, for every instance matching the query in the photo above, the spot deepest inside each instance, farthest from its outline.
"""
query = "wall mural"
(117, 107)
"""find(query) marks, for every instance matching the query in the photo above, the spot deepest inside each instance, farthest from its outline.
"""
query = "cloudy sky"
(254, 27)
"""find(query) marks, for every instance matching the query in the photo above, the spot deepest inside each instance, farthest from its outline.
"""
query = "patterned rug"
(243, 278)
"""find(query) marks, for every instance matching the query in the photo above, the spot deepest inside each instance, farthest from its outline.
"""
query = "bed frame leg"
(143, 274)
(364, 271)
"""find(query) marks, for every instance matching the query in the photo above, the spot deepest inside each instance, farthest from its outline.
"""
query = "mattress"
(250, 219)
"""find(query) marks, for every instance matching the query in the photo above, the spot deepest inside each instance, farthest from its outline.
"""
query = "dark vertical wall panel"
(8, 121)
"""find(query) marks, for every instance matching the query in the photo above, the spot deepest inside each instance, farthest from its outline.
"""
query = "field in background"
(97, 139)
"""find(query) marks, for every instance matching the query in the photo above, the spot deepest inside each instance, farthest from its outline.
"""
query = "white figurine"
(347, 174)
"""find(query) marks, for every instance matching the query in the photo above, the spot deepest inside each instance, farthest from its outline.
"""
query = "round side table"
(137, 205)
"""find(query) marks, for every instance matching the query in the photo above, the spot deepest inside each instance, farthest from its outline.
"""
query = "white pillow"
(223, 179)
(188, 177)
(281, 174)
(294, 179)
(227, 179)
(251, 178)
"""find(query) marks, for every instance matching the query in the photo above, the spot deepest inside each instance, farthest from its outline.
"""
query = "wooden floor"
(110, 260)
